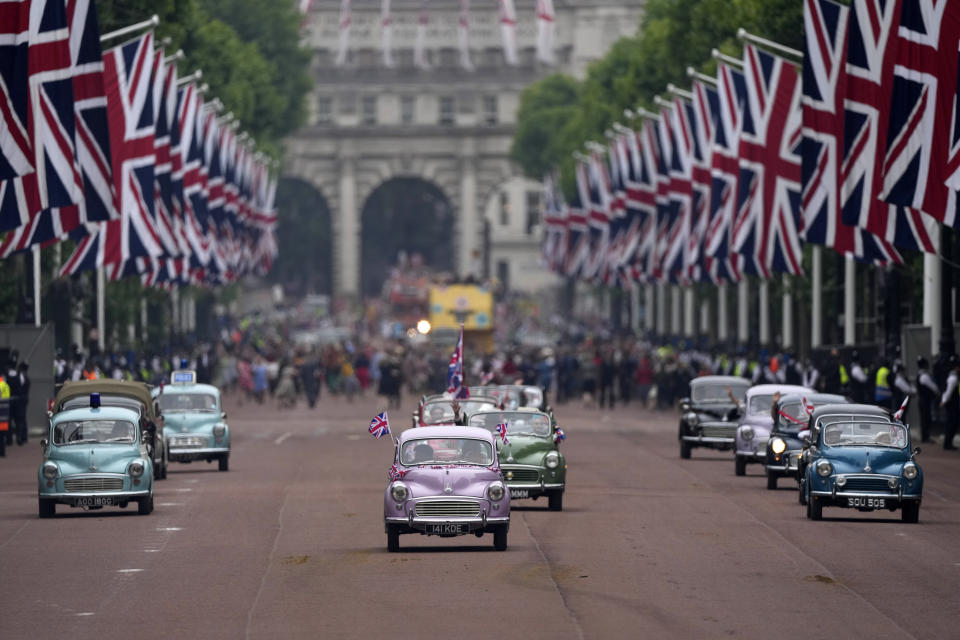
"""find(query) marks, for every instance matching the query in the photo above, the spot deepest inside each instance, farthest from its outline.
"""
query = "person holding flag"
(455, 386)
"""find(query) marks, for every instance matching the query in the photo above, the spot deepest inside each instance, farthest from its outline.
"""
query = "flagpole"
(816, 298)
(101, 315)
(764, 305)
(722, 312)
(931, 298)
(849, 299)
(743, 34)
(36, 285)
(743, 312)
(787, 337)
(152, 22)
(702, 77)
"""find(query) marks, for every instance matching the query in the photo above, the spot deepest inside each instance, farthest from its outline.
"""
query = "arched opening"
(406, 217)
(304, 238)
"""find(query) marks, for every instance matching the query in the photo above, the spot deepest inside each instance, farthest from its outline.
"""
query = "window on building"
(491, 113)
(324, 110)
(503, 274)
(348, 103)
(407, 104)
(504, 209)
(533, 211)
(446, 110)
(369, 109)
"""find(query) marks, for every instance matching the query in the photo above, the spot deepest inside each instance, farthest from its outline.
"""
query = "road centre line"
(282, 438)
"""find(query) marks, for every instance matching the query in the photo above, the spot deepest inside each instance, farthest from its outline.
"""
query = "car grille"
(878, 485)
(188, 442)
(448, 508)
(92, 484)
(716, 431)
(523, 475)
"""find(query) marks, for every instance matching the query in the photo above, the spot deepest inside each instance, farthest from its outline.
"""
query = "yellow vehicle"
(467, 304)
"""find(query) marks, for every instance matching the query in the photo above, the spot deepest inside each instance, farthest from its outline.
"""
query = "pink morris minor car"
(445, 481)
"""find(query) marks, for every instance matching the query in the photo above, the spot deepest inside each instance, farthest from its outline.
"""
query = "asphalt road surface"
(290, 544)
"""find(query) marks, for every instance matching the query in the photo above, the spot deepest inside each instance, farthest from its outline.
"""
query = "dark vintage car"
(791, 419)
(120, 393)
(709, 417)
(827, 413)
(862, 461)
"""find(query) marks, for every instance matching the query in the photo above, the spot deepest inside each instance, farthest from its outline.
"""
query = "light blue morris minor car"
(862, 462)
(195, 424)
(95, 457)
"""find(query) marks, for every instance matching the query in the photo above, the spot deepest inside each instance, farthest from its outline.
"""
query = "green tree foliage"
(674, 35)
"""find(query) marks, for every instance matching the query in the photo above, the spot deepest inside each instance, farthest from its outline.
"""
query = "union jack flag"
(700, 115)
(559, 435)
(164, 105)
(641, 208)
(768, 222)
(675, 135)
(898, 415)
(921, 159)
(870, 62)
(824, 89)
(807, 405)
(379, 426)
(40, 95)
(578, 238)
(397, 473)
(731, 95)
(502, 431)
(658, 143)
(455, 386)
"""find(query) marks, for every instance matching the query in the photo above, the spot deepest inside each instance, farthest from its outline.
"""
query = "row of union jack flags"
(106, 148)
(858, 151)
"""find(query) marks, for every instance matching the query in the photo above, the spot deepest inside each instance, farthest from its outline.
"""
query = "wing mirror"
(44, 444)
(223, 415)
(145, 436)
(915, 453)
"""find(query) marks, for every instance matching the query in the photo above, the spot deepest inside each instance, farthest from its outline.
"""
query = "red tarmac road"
(290, 544)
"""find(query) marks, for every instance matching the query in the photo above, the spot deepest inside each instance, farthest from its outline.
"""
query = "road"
(290, 544)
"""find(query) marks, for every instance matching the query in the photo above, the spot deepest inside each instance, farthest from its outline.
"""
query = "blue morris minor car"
(196, 426)
(530, 460)
(445, 481)
(863, 462)
(95, 457)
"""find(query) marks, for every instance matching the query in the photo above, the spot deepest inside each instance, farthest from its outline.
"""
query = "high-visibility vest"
(844, 376)
(4, 394)
(883, 379)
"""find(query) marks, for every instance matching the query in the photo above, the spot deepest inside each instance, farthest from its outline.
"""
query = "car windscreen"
(532, 396)
(718, 393)
(89, 431)
(518, 422)
(106, 400)
(446, 451)
(760, 404)
(438, 412)
(860, 434)
(793, 417)
(187, 402)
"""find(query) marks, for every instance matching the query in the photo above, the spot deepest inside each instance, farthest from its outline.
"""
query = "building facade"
(452, 128)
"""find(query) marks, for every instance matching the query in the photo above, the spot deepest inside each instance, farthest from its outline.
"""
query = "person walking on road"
(950, 401)
(927, 393)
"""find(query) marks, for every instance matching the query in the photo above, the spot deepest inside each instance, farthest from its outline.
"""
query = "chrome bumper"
(419, 525)
(709, 439)
(194, 453)
(72, 495)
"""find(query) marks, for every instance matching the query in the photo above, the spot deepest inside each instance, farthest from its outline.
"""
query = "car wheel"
(556, 501)
(145, 505)
(46, 508)
(771, 481)
(685, 449)
(801, 496)
(163, 467)
(393, 538)
(815, 508)
(224, 462)
(910, 512)
(500, 538)
(740, 466)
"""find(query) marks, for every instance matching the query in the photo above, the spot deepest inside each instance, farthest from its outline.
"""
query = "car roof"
(101, 413)
(822, 398)
(773, 388)
(190, 388)
(445, 431)
(700, 380)
(850, 410)
(517, 410)
(138, 390)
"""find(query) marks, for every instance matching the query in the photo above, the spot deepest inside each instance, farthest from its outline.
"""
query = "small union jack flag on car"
(559, 435)
(396, 473)
(903, 408)
(807, 406)
(379, 426)
(502, 431)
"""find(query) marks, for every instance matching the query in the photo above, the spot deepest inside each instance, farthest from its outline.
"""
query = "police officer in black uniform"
(928, 393)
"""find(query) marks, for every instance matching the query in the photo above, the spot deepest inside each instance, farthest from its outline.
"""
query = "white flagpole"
(849, 298)
(464, 35)
(787, 313)
(764, 312)
(386, 24)
(743, 312)
(420, 44)
(508, 28)
(345, 18)
(150, 23)
(101, 315)
(36, 285)
(816, 298)
(931, 298)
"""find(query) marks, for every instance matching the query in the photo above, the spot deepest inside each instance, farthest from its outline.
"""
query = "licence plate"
(447, 528)
(873, 503)
(519, 493)
(99, 501)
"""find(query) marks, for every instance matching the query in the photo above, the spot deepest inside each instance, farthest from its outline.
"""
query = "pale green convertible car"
(195, 424)
(530, 459)
(95, 457)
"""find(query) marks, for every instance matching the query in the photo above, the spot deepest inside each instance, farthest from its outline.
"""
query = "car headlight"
(552, 460)
(778, 445)
(496, 491)
(824, 468)
(910, 471)
(399, 491)
(691, 418)
(136, 469)
(746, 433)
(219, 430)
(50, 470)
(842, 481)
(892, 483)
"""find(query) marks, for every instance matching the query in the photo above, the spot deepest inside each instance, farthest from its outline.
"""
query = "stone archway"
(305, 239)
(409, 215)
